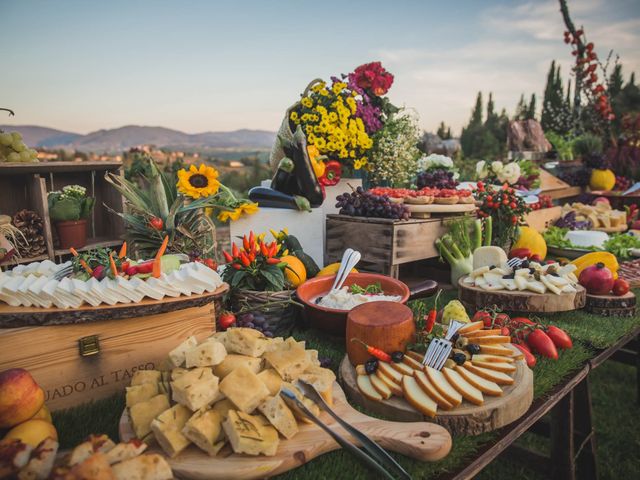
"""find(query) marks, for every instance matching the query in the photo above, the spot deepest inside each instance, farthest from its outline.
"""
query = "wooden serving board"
(34, 316)
(467, 418)
(420, 440)
(437, 208)
(521, 301)
(612, 305)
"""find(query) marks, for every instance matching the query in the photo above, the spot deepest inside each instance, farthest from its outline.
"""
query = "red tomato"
(156, 223)
(501, 320)
(226, 320)
(484, 316)
(559, 337)
(542, 344)
(528, 356)
(505, 331)
(620, 287)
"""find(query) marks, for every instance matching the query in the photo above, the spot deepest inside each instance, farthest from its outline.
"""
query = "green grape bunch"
(13, 149)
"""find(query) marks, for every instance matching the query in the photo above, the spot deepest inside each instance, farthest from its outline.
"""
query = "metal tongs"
(350, 259)
(375, 457)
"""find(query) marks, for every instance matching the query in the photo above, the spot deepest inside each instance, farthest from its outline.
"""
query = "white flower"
(496, 167)
(510, 173)
(481, 169)
(435, 161)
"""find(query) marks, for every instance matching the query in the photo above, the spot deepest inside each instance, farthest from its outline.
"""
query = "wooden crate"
(384, 244)
(25, 185)
(52, 353)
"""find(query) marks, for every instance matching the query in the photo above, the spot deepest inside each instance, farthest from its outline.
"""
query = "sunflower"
(198, 182)
(233, 215)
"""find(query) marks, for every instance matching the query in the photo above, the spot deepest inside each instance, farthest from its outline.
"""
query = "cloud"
(517, 43)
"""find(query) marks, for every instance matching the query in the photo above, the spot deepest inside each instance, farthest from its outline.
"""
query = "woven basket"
(285, 132)
(279, 318)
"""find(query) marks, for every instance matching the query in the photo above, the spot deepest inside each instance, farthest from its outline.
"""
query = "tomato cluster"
(501, 202)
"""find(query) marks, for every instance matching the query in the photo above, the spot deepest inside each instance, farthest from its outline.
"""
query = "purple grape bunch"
(257, 321)
(365, 204)
(436, 178)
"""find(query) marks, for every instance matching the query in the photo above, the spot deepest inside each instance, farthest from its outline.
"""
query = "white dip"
(344, 300)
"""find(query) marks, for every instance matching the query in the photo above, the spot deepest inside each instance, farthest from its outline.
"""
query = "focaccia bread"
(279, 415)
(144, 412)
(288, 362)
(196, 388)
(140, 393)
(244, 389)
(144, 467)
(145, 376)
(245, 341)
(207, 354)
(177, 355)
(167, 428)
(250, 434)
(205, 430)
(233, 361)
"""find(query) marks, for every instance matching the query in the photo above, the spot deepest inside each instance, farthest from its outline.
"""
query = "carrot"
(123, 250)
(112, 265)
(84, 265)
(157, 264)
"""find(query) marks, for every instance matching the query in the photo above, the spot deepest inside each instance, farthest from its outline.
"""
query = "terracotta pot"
(72, 233)
(334, 321)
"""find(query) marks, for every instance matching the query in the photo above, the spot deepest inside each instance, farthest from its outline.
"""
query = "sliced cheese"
(468, 391)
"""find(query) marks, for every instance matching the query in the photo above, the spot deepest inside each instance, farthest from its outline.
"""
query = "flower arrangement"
(158, 207)
(254, 265)
(505, 208)
(70, 204)
(394, 156)
(436, 171)
(340, 118)
(522, 174)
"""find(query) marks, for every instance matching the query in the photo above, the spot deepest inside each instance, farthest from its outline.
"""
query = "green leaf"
(274, 278)
(65, 210)
(238, 277)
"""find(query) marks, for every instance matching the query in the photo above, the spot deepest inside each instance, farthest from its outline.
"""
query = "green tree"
(521, 109)
(531, 109)
(444, 132)
(616, 81)
(476, 114)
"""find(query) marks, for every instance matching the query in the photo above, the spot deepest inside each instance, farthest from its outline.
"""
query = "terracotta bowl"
(334, 321)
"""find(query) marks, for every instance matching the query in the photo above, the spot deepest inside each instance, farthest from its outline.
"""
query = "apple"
(43, 414)
(20, 397)
(32, 432)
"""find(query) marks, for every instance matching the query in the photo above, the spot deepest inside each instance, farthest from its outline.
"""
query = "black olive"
(525, 264)
(510, 276)
(454, 338)
(532, 271)
(473, 348)
(554, 274)
(370, 366)
(397, 356)
(459, 358)
(492, 267)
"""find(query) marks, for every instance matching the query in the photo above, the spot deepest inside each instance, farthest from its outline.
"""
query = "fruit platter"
(215, 411)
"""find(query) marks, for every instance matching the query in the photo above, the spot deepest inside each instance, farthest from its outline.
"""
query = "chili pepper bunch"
(254, 265)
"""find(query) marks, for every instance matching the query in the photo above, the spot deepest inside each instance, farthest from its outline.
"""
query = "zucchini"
(268, 197)
(293, 245)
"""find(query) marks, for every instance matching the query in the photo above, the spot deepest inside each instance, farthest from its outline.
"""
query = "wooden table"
(570, 429)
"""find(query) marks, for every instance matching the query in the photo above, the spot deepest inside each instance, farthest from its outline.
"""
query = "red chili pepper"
(273, 249)
(246, 244)
(375, 352)
(252, 239)
(237, 266)
(235, 250)
(433, 313)
(244, 259)
(273, 261)
(227, 256)
(252, 256)
(264, 250)
(332, 173)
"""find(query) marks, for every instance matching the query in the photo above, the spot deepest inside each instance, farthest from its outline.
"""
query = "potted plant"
(262, 283)
(69, 210)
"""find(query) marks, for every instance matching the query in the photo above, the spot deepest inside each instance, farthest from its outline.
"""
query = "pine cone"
(30, 224)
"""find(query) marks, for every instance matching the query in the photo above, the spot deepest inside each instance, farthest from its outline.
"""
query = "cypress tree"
(616, 81)
(476, 114)
(521, 109)
(531, 110)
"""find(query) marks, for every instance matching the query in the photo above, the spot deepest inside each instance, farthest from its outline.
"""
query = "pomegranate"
(597, 279)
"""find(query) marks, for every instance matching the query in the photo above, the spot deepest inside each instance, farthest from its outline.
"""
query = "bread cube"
(176, 373)
(206, 354)
(41, 461)
(144, 412)
(272, 380)
(279, 415)
(233, 361)
(250, 434)
(312, 356)
(244, 389)
(289, 363)
(222, 407)
(177, 355)
(322, 380)
(167, 428)
(145, 467)
(205, 430)
(140, 393)
(245, 341)
(145, 376)
(196, 388)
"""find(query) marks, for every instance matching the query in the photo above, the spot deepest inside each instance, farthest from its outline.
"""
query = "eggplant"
(268, 197)
(284, 180)
(308, 184)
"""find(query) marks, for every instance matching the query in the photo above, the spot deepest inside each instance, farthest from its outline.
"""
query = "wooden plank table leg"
(562, 445)
(585, 435)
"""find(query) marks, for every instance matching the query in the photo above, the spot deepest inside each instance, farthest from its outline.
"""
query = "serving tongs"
(375, 456)
(350, 259)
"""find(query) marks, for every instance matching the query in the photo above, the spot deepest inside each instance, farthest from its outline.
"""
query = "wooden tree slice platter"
(34, 316)
(521, 301)
(420, 440)
(437, 208)
(612, 305)
(467, 418)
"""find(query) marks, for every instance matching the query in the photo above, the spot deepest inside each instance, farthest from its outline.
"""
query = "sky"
(223, 65)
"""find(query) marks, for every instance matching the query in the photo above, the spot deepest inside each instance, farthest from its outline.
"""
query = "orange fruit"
(294, 271)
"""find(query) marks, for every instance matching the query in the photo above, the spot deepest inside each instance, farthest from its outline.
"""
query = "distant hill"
(123, 138)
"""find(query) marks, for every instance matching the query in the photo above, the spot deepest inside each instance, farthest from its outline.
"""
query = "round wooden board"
(11, 317)
(521, 301)
(612, 305)
(420, 440)
(437, 208)
(570, 253)
(466, 419)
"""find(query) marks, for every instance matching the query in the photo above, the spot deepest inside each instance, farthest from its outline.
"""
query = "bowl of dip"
(331, 314)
